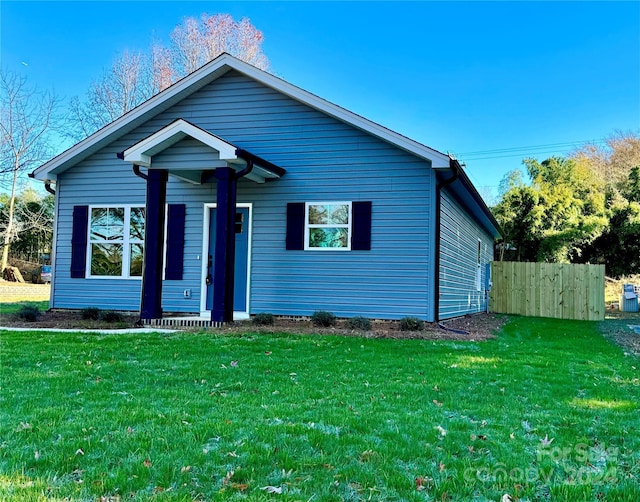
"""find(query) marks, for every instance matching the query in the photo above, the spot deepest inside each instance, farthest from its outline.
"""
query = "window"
(116, 241)
(327, 226)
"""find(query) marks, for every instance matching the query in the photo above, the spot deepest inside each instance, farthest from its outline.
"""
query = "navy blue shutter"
(79, 241)
(361, 228)
(295, 226)
(175, 242)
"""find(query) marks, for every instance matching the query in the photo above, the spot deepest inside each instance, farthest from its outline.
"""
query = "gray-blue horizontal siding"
(459, 235)
(325, 159)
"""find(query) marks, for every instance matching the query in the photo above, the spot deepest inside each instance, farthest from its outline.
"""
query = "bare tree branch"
(26, 120)
(135, 77)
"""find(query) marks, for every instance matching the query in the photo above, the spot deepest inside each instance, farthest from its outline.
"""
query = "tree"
(27, 117)
(196, 42)
(33, 223)
(135, 77)
(619, 245)
(632, 190)
(556, 215)
(612, 163)
(120, 89)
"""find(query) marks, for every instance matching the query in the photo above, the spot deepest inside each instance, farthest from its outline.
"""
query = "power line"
(524, 150)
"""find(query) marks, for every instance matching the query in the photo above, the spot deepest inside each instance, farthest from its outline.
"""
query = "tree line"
(582, 208)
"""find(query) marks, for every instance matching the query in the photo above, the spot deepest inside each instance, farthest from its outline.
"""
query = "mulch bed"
(471, 327)
(476, 327)
(616, 328)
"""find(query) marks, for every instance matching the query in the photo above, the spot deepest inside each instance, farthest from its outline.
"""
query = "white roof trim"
(203, 76)
(142, 152)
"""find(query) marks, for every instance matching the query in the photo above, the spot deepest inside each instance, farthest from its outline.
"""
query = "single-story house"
(234, 192)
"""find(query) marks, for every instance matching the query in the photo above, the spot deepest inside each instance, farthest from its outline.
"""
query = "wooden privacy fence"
(563, 291)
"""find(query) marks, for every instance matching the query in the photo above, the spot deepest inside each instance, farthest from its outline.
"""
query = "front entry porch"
(226, 165)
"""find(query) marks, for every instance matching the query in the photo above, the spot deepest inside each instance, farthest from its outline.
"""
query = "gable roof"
(216, 69)
(204, 76)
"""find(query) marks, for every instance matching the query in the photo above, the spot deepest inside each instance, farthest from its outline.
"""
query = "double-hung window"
(116, 241)
(327, 226)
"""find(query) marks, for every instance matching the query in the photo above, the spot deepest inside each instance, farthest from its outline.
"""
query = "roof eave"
(491, 224)
(130, 120)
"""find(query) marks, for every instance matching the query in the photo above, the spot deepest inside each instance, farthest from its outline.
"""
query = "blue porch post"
(151, 302)
(225, 252)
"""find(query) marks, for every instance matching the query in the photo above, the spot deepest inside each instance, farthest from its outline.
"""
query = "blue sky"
(461, 77)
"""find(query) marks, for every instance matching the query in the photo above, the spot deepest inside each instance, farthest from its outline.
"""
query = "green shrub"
(323, 318)
(411, 324)
(263, 319)
(28, 313)
(359, 323)
(90, 313)
(111, 316)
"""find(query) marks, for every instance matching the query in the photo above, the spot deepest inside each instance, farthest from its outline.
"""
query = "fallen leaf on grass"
(79, 451)
(227, 477)
(24, 426)
(267, 353)
(367, 455)
(147, 462)
(234, 364)
(546, 441)
(185, 468)
(422, 482)
(437, 403)
(441, 467)
(441, 430)
(272, 489)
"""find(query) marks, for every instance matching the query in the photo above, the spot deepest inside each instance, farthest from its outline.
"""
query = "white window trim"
(307, 226)
(126, 252)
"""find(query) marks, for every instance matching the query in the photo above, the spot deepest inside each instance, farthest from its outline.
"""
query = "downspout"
(455, 168)
(136, 171)
(246, 170)
(47, 187)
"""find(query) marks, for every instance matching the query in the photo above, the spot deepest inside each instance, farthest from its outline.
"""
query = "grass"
(547, 411)
(12, 308)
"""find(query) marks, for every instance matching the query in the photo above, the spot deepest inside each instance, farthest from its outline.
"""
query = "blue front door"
(241, 261)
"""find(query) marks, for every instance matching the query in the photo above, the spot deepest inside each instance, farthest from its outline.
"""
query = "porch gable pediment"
(142, 152)
(223, 154)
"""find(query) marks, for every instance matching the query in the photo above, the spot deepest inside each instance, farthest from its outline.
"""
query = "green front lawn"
(547, 411)
(12, 308)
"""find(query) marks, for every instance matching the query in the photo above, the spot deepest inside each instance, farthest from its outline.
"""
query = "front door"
(240, 288)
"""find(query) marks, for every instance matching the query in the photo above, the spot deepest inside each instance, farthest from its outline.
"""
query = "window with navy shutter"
(329, 226)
